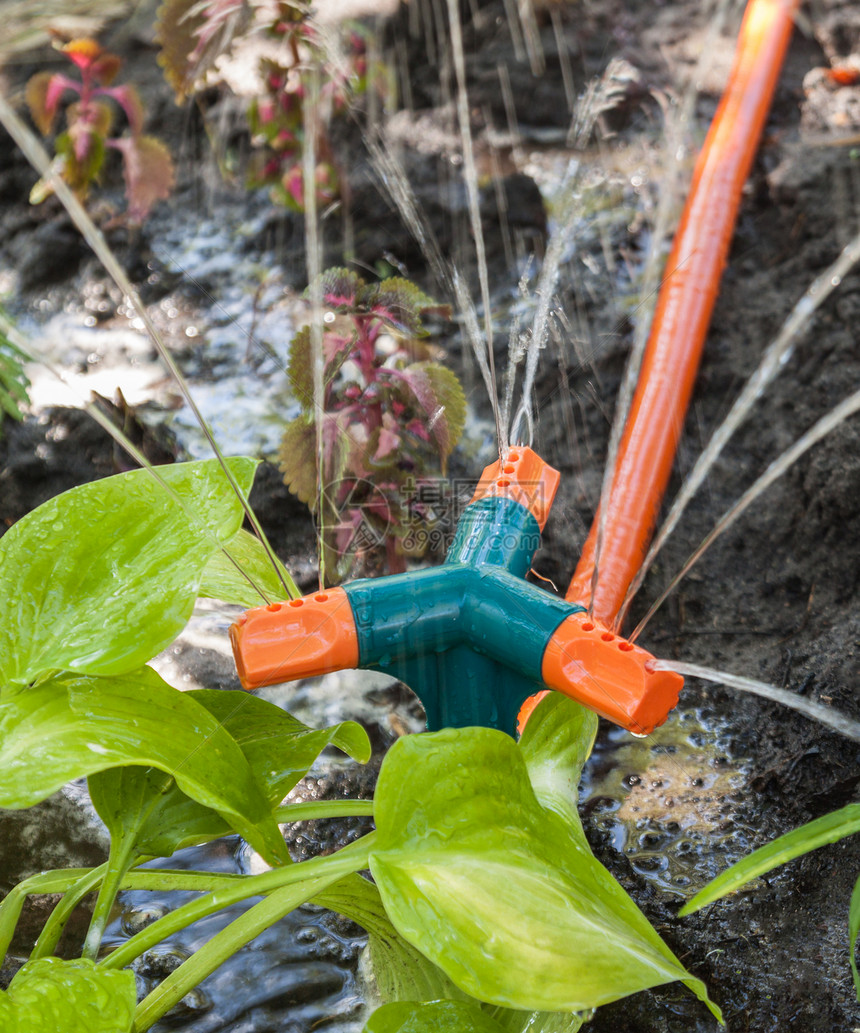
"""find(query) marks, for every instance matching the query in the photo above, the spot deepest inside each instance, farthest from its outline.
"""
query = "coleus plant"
(487, 910)
(194, 36)
(387, 421)
(81, 148)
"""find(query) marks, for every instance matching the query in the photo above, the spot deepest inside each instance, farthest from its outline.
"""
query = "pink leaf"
(129, 100)
(148, 171)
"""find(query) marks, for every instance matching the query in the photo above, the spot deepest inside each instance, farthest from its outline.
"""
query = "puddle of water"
(299, 974)
(669, 802)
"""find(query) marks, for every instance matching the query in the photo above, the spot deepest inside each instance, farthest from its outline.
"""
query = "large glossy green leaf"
(555, 745)
(54, 996)
(397, 971)
(101, 578)
(279, 751)
(495, 889)
(827, 829)
(431, 1017)
(225, 577)
(71, 726)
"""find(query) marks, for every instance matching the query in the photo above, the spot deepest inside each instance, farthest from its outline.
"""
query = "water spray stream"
(777, 468)
(471, 177)
(773, 360)
(38, 158)
(13, 334)
(824, 715)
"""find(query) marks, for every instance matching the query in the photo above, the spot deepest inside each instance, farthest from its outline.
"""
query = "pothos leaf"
(224, 576)
(279, 750)
(102, 577)
(431, 1017)
(440, 395)
(148, 172)
(70, 727)
(486, 882)
(73, 996)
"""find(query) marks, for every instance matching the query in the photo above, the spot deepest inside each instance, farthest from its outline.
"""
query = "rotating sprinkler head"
(472, 638)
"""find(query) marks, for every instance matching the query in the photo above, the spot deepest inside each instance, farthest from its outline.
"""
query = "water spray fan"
(473, 638)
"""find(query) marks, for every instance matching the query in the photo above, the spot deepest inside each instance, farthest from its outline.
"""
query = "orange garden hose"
(683, 312)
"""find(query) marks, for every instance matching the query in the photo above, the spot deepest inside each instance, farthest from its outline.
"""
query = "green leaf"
(278, 749)
(225, 580)
(297, 458)
(13, 380)
(148, 172)
(399, 304)
(830, 828)
(431, 1017)
(399, 971)
(555, 745)
(68, 727)
(488, 884)
(104, 576)
(54, 996)
(853, 930)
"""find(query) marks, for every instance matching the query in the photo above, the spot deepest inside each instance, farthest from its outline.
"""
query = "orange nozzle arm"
(321, 632)
(521, 475)
(584, 659)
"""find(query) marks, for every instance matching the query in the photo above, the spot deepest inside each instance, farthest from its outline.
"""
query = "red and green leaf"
(43, 94)
(440, 396)
(400, 305)
(193, 34)
(129, 100)
(148, 173)
(339, 289)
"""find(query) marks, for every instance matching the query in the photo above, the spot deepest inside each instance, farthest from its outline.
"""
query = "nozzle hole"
(509, 468)
(588, 626)
(297, 602)
(626, 646)
(607, 636)
(503, 482)
(513, 457)
(273, 607)
(321, 598)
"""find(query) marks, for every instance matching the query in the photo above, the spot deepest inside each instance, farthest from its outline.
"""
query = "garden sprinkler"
(471, 637)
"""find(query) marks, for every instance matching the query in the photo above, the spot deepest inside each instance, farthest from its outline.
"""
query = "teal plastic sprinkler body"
(472, 638)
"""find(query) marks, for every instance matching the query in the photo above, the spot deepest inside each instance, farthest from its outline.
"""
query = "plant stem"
(53, 928)
(293, 892)
(324, 809)
(45, 882)
(121, 857)
(238, 888)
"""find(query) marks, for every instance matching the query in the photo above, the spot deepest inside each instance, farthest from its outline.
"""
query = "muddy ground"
(778, 598)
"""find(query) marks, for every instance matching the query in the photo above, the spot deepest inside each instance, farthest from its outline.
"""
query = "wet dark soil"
(778, 597)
